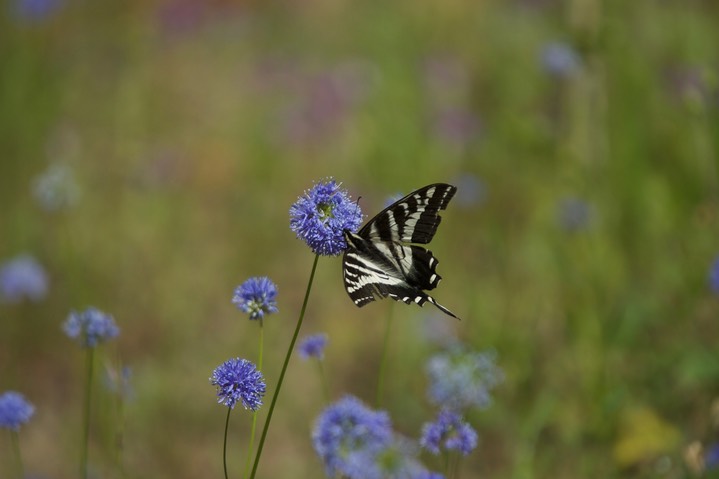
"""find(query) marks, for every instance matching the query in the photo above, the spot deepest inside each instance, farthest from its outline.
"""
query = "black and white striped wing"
(412, 219)
(379, 263)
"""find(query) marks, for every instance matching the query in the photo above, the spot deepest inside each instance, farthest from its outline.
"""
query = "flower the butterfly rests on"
(380, 260)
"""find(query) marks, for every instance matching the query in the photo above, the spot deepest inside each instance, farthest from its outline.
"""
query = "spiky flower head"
(448, 432)
(90, 327)
(320, 216)
(313, 346)
(256, 296)
(348, 435)
(238, 380)
(461, 379)
(22, 277)
(15, 410)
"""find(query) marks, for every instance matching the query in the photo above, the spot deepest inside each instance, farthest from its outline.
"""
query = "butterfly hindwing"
(379, 262)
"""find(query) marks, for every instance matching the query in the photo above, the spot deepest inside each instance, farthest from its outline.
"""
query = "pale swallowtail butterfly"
(380, 260)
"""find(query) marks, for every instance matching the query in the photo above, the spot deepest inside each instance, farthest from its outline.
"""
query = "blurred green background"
(583, 137)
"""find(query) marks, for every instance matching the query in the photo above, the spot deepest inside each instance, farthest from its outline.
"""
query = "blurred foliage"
(583, 135)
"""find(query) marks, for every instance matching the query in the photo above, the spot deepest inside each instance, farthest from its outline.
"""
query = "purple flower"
(256, 296)
(321, 215)
(22, 277)
(711, 456)
(461, 379)
(238, 380)
(560, 59)
(313, 346)
(36, 10)
(714, 276)
(348, 435)
(90, 327)
(448, 432)
(15, 410)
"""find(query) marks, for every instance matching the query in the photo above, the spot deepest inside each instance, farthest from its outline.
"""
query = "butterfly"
(380, 260)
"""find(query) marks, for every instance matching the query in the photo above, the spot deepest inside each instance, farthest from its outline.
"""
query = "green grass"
(179, 141)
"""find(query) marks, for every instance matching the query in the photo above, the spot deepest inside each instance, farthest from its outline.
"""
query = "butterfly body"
(380, 259)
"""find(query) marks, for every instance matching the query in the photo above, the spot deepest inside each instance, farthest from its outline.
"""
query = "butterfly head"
(352, 239)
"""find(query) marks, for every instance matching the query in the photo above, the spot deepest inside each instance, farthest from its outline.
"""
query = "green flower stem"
(284, 369)
(16, 449)
(254, 414)
(224, 443)
(323, 378)
(89, 360)
(383, 361)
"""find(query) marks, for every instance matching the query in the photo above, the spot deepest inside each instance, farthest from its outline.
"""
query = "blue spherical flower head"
(238, 380)
(461, 379)
(22, 277)
(560, 59)
(711, 457)
(714, 276)
(348, 435)
(448, 432)
(321, 215)
(313, 346)
(90, 327)
(256, 296)
(15, 410)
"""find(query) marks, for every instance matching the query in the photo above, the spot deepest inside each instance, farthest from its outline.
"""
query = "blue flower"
(36, 10)
(22, 277)
(450, 432)
(257, 297)
(313, 346)
(320, 216)
(90, 327)
(711, 456)
(238, 380)
(560, 59)
(15, 410)
(461, 379)
(714, 276)
(348, 435)
(574, 214)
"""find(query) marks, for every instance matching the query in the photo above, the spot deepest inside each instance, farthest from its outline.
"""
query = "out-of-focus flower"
(714, 281)
(461, 379)
(471, 190)
(560, 59)
(90, 327)
(238, 380)
(56, 188)
(22, 277)
(574, 214)
(711, 456)
(15, 410)
(348, 435)
(313, 346)
(320, 216)
(256, 296)
(449, 432)
(456, 126)
(35, 10)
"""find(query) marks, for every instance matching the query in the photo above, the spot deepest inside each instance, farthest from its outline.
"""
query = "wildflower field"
(180, 179)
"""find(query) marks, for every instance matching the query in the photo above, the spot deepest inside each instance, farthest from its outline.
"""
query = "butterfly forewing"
(412, 219)
(379, 262)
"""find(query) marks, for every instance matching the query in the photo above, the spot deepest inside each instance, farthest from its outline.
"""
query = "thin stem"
(224, 444)
(383, 361)
(284, 369)
(323, 378)
(18, 458)
(89, 360)
(254, 414)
